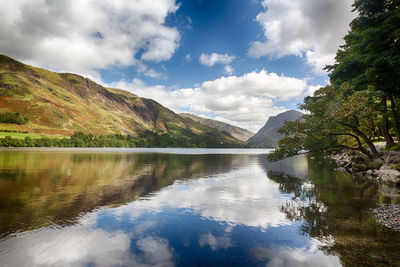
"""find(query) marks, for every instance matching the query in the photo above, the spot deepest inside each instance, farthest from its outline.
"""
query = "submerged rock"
(389, 190)
(388, 215)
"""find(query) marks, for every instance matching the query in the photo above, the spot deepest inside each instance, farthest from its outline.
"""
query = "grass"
(395, 148)
(20, 135)
(396, 167)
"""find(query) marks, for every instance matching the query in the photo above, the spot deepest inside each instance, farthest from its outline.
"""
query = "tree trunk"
(364, 137)
(395, 116)
(369, 143)
(385, 126)
(363, 149)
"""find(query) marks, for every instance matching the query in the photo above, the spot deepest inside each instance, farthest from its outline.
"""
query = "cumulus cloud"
(214, 58)
(246, 101)
(144, 70)
(229, 70)
(313, 29)
(87, 35)
(188, 58)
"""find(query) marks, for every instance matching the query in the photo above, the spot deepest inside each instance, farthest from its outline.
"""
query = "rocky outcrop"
(383, 168)
(388, 172)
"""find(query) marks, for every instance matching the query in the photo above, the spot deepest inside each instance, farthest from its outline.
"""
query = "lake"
(187, 207)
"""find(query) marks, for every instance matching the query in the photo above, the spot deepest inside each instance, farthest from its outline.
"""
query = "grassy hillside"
(60, 104)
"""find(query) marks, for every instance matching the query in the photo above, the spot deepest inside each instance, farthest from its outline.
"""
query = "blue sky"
(235, 61)
(206, 27)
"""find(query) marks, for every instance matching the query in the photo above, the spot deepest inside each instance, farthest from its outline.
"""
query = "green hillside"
(59, 104)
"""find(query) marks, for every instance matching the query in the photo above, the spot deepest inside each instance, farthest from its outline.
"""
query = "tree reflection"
(335, 208)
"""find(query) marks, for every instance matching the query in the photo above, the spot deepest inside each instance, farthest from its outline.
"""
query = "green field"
(20, 135)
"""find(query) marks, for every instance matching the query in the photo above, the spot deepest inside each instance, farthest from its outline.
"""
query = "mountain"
(59, 104)
(268, 135)
(234, 131)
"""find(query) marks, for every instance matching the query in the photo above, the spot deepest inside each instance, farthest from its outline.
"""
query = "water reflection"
(38, 189)
(335, 209)
(168, 209)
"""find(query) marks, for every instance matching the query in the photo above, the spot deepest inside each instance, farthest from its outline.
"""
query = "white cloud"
(312, 89)
(229, 70)
(214, 58)
(246, 101)
(82, 36)
(188, 58)
(143, 69)
(313, 29)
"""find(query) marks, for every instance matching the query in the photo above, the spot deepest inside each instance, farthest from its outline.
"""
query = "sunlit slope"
(63, 103)
(234, 131)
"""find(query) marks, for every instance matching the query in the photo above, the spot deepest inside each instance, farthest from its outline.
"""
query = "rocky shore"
(385, 170)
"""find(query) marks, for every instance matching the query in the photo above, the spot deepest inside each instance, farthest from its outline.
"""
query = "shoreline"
(383, 171)
(388, 215)
(385, 168)
(161, 150)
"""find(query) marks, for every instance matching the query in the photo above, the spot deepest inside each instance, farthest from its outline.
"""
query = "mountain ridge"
(268, 135)
(60, 104)
(235, 131)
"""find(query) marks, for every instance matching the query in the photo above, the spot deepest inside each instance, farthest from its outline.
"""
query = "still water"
(187, 207)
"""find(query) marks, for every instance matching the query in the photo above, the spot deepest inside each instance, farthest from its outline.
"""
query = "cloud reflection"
(137, 234)
(215, 242)
(241, 197)
(284, 256)
(83, 246)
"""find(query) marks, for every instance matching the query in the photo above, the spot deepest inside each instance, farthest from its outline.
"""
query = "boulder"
(387, 174)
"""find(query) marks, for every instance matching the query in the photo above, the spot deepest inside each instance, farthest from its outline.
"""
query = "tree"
(353, 111)
(370, 58)
(334, 120)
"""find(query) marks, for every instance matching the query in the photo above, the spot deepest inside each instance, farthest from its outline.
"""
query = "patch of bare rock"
(385, 168)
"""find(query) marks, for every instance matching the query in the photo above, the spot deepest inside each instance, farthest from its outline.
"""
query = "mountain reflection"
(149, 210)
(38, 189)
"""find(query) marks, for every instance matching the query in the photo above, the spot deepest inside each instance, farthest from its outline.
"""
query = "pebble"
(388, 215)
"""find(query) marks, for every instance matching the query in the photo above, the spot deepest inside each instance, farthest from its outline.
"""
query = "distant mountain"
(268, 135)
(236, 132)
(63, 103)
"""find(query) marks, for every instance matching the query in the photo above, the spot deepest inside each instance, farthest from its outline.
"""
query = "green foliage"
(336, 119)
(12, 118)
(396, 167)
(19, 135)
(353, 112)
(395, 148)
(182, 138)
(371, 53)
